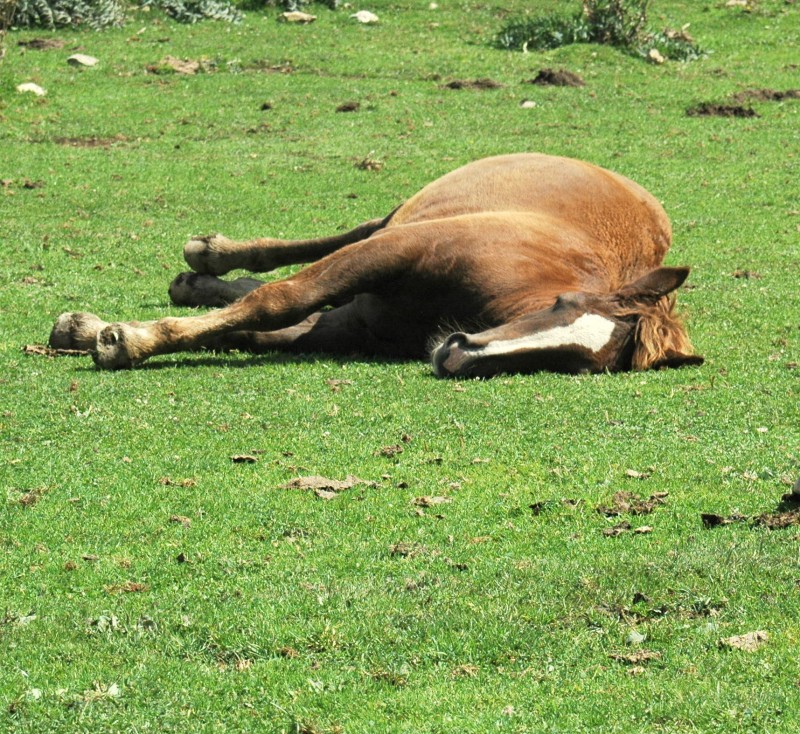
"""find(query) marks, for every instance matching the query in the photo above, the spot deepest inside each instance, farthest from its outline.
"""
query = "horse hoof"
(76, 331)
(206, 254)
(182, 290)
(111, 348)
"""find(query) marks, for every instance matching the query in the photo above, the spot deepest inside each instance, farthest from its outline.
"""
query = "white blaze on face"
(589, 331)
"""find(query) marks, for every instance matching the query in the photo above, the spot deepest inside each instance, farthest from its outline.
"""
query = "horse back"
(622, 224)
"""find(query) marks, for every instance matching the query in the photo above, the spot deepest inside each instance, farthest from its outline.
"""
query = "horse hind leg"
(217, 255)
(194, 289)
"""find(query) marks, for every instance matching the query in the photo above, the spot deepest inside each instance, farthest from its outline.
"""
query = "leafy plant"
(287, 5)
(192, 11)
(7, 8)
(618, 23)
(99, 14)
(96, 14)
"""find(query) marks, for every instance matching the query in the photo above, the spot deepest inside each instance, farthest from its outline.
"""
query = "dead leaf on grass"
(429, 501)
(749, 642)
(336, 385)
(618, 529)
(406, 550)
(633, 474)
(325, 494)
(32, 496)
(369, 164)
(465, 671)
(324, 483)
(398, 680)
(185, 483)
(390, 451)
(181, 520)
(127, 587)
(635, 658)
(711, 520)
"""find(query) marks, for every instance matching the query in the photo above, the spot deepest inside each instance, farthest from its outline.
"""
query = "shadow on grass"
(242, 360)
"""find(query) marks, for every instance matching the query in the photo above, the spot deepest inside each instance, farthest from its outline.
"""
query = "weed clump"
(99, 14)
(618, 23)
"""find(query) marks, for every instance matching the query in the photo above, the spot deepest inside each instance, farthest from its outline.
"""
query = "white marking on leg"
(589, 331)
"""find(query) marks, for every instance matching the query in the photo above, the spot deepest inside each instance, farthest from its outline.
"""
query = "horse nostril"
(459, 339)
(451, 356)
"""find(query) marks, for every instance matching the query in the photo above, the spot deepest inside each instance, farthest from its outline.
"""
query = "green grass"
(269, 609)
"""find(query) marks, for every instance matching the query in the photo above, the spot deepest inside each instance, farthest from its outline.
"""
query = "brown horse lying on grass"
(555, 263)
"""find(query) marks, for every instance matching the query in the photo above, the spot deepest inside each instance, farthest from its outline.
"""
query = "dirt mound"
(765, 95)
(710, 109)
(557, 78)
(473, 84)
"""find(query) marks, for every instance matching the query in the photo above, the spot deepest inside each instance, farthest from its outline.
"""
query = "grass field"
(149, 582)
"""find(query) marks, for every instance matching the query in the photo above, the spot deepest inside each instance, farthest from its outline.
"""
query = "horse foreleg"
(217, 255)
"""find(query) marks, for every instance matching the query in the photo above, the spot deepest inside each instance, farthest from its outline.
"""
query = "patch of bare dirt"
(635, 658)
(43, 44)
(749, 642)
(765, 95)
(778, 520)
(786, 515)
(711, 109)
(127, 587)
(557, 78)
(628, 503)
(91, 142)
(170, 64)
(325, 488)
(348, 107)
(244, 459)
(473, 84)
(711, 520)
(537, 508)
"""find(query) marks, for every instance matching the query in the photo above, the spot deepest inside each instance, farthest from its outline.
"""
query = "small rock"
(31, 87)
(527, 104)
(82, 60)
(366, 17)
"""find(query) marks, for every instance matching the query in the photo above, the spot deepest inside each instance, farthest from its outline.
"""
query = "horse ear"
(653, 286)
(672, 358)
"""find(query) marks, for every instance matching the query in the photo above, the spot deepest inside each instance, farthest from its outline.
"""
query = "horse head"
(633, 328)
